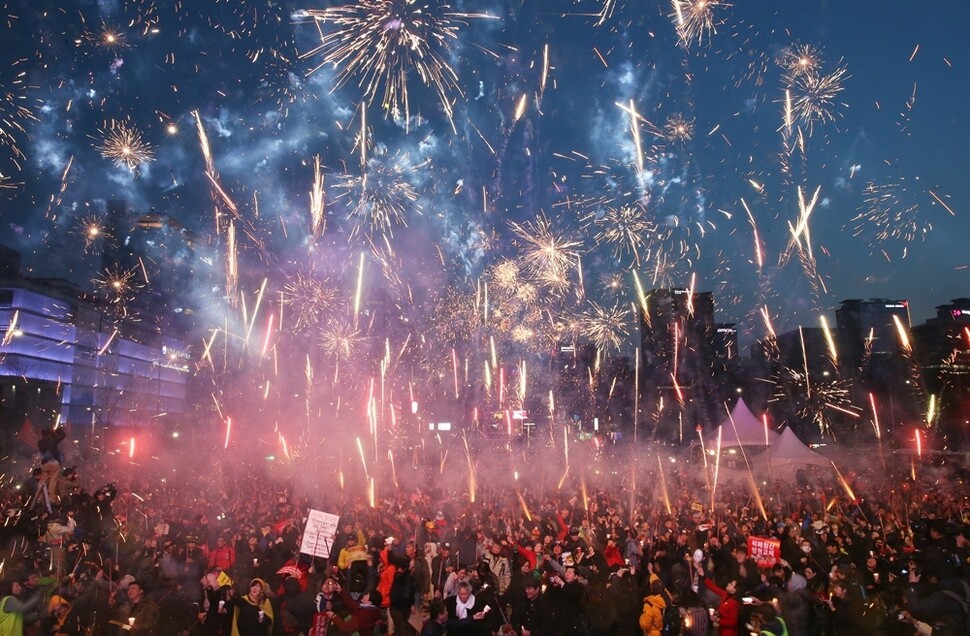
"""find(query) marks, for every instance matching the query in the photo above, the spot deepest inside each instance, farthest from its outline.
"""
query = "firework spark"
(606, 327)
(95, 235)
(340, 339)
(814, 97)
(311, 299)
(893, 211)
(381, 196)
(678, 129)
(547, 254)
(624, 229)
(695, 20)
(123, 144)
(15, 112)
(381, 43)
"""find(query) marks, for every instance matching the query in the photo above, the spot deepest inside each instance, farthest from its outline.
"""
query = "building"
(942, 347)
(65, 360)
(680, 353)
(870, 328)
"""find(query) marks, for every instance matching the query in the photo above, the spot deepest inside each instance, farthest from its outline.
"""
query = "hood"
(656, 600)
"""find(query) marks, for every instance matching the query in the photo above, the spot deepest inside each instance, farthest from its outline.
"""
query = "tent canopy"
(788, 455)
(741, 428)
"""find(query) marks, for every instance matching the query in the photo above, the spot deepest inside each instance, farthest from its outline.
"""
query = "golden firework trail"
(12, 329)
(318, 222)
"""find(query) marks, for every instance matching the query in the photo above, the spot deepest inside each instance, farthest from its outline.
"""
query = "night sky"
(444, 206)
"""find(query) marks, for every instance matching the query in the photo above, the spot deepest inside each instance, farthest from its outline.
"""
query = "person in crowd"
(466, 612)
(729, 607)
(438, 617)
(252, 613)
(654, 605)
(135, 613)
(365, 615)
(13, 605)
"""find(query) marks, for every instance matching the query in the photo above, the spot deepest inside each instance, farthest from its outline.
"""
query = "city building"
(67, 360)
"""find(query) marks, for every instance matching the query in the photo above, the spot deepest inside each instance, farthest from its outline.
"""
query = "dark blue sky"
(880, 162)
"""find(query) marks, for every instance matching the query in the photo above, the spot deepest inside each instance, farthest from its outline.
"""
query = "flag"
(224, 579)
(27, 434)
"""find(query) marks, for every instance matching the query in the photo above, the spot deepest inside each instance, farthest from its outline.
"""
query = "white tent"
(741, 428)
(787, 455)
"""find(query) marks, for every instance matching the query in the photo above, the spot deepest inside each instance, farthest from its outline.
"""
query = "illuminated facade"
(64, 360)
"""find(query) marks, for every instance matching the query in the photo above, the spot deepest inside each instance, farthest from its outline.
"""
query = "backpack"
(672, 621)
(357, 576)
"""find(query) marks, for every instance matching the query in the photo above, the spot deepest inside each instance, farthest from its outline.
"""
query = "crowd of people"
(173, 553)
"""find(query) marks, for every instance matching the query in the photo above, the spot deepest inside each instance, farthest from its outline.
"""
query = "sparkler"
(363, 459)
(663, 484)
(472, 479)
(843, 483)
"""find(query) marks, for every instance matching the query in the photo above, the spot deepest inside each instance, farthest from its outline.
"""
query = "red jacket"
(729, 610)
(224, 557)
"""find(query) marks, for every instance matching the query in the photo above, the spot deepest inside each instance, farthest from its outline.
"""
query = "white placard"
(319, 533)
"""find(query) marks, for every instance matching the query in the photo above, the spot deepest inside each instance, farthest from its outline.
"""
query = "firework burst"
(613, 283)
(311, 299)
(381, 196)
(800, 59)
(118, 287)
(678, 129)
(92, 231)
(455, 317)
(695, 20)
(118, 284)
(624, 229)
(123, 144)
(893, 212)
(815, 400)
(606, 327)
(14, 114)
(379, 44)
(814, 97)
(547, 254)
(108, 38)
(340, 339)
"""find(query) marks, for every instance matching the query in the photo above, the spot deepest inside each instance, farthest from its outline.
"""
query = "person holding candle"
(138, 616)
(253, 613)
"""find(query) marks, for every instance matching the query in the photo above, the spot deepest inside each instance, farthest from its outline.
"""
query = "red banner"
(765, 552)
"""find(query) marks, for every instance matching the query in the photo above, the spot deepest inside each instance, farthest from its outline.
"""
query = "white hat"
(389, 541)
